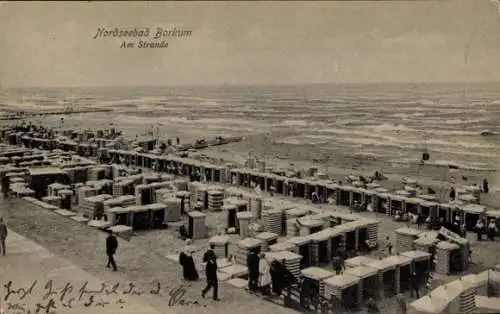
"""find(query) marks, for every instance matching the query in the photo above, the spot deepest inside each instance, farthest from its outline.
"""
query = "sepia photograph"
(250, 157)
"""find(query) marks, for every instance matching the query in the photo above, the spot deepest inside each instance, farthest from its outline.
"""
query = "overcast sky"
(50, 44)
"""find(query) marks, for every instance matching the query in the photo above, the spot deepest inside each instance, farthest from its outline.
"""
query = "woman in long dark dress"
(186, 260)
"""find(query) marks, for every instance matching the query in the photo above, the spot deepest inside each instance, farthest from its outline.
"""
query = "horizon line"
(251, 85)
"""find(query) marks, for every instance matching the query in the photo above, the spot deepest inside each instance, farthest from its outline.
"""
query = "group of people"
(481, 228)
(491, 230)
(190, 273)
(267, 276)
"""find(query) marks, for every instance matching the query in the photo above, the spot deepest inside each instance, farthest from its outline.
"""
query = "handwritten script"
(48, 297)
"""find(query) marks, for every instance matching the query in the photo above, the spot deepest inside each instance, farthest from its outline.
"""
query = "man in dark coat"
(111, 246)
(276, 271)
(211, 272)
(253, 270)
(5, 186)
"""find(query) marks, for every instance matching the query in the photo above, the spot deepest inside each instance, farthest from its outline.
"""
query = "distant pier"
(25, 115)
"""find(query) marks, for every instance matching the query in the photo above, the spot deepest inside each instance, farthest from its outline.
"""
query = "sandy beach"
(141, 261)
(145, 258)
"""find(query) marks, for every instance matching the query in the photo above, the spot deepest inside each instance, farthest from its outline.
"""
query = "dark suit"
(111, 246)
(211, 273)
(5, 186)
(253, 271)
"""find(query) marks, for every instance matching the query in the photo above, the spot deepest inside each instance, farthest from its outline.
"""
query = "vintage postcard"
(250, 156)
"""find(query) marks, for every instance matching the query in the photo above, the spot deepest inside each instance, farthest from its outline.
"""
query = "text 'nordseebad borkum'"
(145, 32)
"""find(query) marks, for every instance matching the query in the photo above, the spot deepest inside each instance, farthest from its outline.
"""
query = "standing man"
(211, 273)
(3, 235)
(5, 186)
(111, 246)
(253, 270)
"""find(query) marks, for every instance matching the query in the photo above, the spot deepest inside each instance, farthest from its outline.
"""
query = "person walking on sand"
(3, 235)
(111, 246)
(211, 273)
